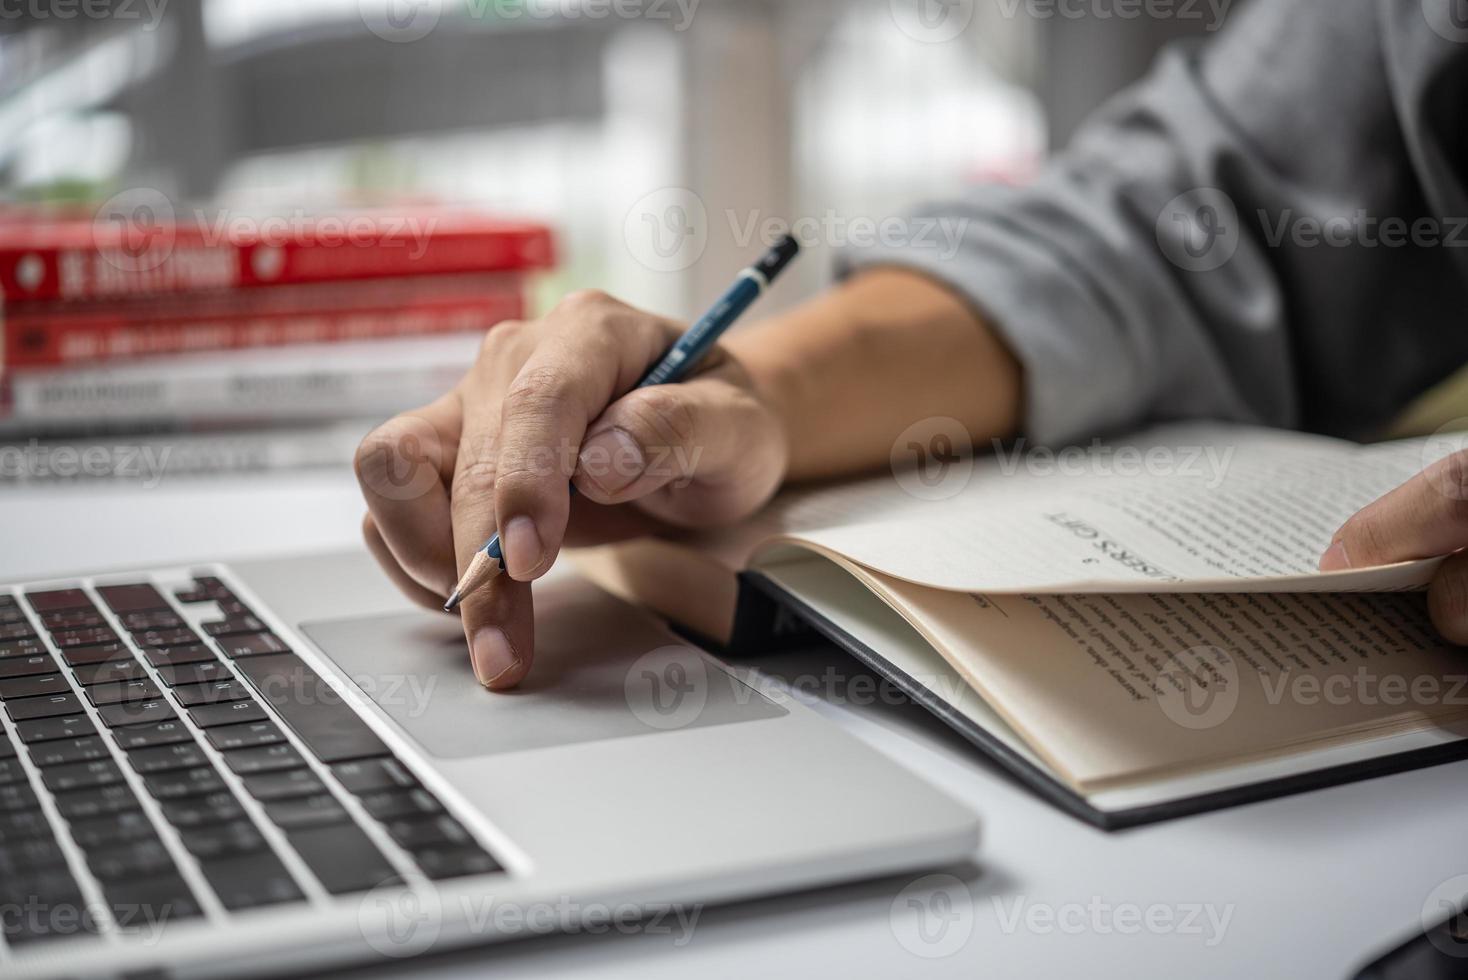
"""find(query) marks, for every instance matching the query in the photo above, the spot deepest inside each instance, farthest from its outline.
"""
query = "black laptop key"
(234, 626)
(40, 663)
(230, 713)
(96, 636)
(343, 858)
(7, 747)
(87, 803)
(123, 692)
(57, 599)
(195, 653)
(88, 748)
(307, 811)
(33, 686)
(82, 775)
(17, 797)
(78, 656)
(144, 859)
(127, 827)
(11, 771)
(169, 732)
(29, 856)
(45, 905)
(24, 825)
(136, 713)
(265, 758)
(16, 631)
(183, 783)
(441, 863)
(369, 775)
(212, 692)
(50, 729)
(28, 647)
(51, 706)
(178, 637)
(167, 758)
(196, 673)
(109, 672)
(201, 811)
(234, 609)
(249, 881)
(312, 708)
(227, 738)
(223, 840)
(251, 645)
(132, 598)
(144, 903)
(438, 831)
(397, 804)
(72, 619)
(271, 786)
(142, 622)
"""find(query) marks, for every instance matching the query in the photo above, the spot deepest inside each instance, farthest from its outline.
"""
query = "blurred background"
(659, 143)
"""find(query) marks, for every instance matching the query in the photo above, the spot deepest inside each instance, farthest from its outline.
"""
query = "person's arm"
(820, 391)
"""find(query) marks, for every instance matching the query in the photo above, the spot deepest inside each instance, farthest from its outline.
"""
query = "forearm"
(851, 370)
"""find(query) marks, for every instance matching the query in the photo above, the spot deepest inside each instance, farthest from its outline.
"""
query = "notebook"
(1135, 629)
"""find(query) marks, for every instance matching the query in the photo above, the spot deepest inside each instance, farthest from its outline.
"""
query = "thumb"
(1427, 517)
(701, 453)
(499, 623)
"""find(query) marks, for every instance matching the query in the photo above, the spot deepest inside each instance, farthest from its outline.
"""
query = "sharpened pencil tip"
(454, 602)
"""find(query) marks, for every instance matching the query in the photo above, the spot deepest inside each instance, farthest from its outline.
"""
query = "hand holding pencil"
(589, 397)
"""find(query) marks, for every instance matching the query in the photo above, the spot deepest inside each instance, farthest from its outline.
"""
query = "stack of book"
(198, 324)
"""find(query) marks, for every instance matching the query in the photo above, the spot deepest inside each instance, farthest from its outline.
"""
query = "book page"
(1184, 509)
(1114, 690)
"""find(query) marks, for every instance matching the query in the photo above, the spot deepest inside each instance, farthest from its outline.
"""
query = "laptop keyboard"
(156, 748)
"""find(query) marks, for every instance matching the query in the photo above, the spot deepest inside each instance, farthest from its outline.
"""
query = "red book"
(87, 260)
(53, 334)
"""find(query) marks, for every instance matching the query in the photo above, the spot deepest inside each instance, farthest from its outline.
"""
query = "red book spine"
(64, 337)
(83, 261)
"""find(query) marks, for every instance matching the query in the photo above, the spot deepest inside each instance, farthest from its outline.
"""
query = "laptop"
(280, 766)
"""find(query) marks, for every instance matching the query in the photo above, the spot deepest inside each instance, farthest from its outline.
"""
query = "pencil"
(680, 362)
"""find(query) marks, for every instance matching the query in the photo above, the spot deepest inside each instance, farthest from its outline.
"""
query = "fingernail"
(1336, 558)
(612, 460)
(522, 547)
(493, 656)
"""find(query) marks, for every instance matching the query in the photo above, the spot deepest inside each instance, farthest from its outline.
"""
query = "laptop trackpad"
(602, 670)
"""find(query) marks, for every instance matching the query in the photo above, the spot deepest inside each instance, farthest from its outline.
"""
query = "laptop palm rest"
(602, 671)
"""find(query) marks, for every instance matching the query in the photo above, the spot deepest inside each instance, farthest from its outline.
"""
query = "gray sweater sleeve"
(1271, 228)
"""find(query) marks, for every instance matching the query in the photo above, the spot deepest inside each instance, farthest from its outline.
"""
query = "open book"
(1136, 629)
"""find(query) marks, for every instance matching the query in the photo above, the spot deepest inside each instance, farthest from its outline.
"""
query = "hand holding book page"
(1181, 509)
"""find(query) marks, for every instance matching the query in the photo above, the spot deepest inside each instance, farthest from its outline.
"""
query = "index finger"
(1427, 517)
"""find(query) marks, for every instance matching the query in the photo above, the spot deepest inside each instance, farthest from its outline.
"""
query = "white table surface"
(1312, 886)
